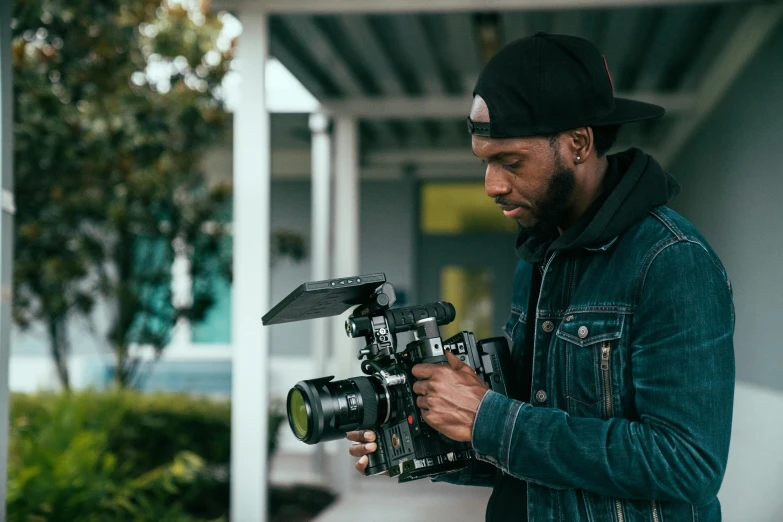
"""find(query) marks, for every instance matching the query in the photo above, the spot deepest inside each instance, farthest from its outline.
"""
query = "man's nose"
(495, 183)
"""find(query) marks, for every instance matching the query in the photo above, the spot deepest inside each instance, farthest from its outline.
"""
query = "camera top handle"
(402, 319)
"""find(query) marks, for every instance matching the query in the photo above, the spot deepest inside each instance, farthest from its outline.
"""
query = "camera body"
(383, 399)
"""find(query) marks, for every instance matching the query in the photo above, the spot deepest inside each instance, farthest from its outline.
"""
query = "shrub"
(119, 456)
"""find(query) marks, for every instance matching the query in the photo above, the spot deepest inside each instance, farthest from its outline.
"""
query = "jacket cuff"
(494, 427)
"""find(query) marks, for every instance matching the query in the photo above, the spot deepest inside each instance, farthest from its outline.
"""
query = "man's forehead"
(479, 110)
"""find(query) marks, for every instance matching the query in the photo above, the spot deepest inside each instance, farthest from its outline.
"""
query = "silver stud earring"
(578, 158)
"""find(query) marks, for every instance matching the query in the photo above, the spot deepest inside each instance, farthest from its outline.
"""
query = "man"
(621, 323)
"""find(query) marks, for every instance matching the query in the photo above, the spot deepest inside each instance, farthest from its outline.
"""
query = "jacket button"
(582, 332)
(541, 396)
(548, 326)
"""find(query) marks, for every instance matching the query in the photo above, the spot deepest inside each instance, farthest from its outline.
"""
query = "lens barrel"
(323, 409)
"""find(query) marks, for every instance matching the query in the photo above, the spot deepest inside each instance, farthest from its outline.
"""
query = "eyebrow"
(499, 156)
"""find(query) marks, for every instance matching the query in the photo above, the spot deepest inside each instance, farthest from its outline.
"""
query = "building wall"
(732, 177)
(387, 238)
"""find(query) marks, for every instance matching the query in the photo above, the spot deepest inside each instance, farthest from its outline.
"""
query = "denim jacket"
(633, 381)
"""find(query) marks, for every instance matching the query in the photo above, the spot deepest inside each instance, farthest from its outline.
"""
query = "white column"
(6, 236)
(345, 229)
(251, 295)
(320, 231)
(345, 262)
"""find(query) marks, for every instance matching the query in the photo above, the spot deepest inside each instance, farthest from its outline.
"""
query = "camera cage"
(374, 319)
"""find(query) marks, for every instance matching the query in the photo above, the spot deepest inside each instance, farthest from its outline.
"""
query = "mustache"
(503, 201)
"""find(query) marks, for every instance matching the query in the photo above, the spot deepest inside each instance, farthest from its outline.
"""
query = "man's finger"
(424, 370)
(360, 450)
(360, 436)
(355, 436)
(422, 403)
(420, 387)
(361, 464)
(455, 363)
(458, 365)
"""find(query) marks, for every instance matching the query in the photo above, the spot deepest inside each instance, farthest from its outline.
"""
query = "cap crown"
(543, 84)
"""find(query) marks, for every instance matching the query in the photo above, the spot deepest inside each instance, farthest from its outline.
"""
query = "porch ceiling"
(408, 76)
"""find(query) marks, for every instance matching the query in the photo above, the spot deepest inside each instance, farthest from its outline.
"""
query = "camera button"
(541, 396)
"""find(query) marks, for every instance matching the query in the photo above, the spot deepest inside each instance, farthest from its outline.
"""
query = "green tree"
(115, 103)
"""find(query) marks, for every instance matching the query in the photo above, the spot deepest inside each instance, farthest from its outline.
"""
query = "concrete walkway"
(381, 499)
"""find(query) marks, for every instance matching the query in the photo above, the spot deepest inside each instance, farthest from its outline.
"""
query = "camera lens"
(298, 413)
(323, 409)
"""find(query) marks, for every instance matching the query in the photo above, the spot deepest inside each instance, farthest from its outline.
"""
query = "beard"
(550, 209)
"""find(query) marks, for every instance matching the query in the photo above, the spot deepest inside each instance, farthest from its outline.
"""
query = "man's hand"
(449, 396)
(365, 445)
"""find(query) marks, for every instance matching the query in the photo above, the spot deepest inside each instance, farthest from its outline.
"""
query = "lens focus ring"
(369, 400)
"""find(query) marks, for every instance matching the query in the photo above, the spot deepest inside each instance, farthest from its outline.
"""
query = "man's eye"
(512, 166)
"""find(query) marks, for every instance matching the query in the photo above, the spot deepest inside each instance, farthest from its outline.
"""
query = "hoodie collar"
(635, 184)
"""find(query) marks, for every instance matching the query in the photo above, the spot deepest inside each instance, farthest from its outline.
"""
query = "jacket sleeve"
(682, 367)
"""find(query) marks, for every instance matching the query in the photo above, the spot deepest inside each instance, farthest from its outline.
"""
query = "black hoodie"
(634, 184)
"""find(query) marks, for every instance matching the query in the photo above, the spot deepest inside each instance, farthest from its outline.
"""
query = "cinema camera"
(323, 409)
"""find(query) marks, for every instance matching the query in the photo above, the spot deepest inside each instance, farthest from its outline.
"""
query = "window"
(460, 208)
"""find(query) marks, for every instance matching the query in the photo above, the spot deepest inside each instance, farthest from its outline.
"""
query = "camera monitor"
(324, 298)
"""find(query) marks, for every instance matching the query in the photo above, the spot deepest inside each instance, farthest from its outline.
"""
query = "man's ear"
(580, 144)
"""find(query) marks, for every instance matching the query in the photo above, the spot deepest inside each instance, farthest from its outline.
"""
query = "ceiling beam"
(323, 52)
(427, 163)
(294, 164)
(459, 106)
(748, 37)
(416, 50)
(304, 28)
(365, 42)
(462, 48)
(443, 6)
(666, 44)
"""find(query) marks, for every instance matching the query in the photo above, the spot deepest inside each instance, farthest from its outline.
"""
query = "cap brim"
(626, 111)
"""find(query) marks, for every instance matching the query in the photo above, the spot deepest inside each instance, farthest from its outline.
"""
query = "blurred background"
(172, 169)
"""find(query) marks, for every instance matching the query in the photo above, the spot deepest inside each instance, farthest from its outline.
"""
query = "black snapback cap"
(549, 83)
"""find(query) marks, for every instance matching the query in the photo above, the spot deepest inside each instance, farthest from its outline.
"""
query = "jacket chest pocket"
(514, 329)
(591, 358)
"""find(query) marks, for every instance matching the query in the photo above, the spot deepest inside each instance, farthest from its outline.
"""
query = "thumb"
(458, 365)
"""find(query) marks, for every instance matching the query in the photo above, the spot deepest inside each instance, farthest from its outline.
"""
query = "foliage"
(115, 101)
(287, 244)
(119, 456)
